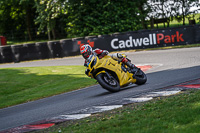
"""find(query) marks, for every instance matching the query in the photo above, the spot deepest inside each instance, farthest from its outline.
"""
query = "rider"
(86, 51)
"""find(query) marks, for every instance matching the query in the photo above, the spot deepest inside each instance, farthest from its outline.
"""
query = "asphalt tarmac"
(170, 67)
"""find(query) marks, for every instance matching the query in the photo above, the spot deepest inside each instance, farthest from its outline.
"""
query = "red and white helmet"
(86, 50)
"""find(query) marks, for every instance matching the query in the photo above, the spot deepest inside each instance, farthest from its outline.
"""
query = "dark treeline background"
(54, 19)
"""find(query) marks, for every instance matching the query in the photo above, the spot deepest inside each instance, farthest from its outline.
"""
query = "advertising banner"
(197, 32)
(142, 39)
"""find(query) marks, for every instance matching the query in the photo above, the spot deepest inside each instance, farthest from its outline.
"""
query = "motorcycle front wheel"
(140, 77)
(108, 82)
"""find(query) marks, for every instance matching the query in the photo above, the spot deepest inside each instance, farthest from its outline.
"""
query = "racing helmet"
(86, 50)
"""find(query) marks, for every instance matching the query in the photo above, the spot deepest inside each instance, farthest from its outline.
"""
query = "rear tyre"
(140, 77)
(108, 83)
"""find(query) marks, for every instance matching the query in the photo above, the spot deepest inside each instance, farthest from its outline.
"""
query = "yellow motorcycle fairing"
(109, 64)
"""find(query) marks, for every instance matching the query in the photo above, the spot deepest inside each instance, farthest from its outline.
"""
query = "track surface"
(170, 67)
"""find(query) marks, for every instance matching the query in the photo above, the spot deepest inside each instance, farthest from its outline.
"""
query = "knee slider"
(117, 56)
(120, 56)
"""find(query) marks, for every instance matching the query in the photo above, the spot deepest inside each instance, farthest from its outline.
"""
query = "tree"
(183, 8)
(17, 16)
(48, 13)
(143, 11)
(93, 17)
(30, 12)
(161, 8)
(178, 9)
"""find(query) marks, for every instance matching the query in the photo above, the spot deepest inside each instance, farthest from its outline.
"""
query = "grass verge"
(19, 85)
(170, 115)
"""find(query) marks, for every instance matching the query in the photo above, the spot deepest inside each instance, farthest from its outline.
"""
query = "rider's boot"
(129, 64)
(119, 57)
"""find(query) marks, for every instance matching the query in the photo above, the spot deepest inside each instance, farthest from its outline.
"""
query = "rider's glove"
(105, 52)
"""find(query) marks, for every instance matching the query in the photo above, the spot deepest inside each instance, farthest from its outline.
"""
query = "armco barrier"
(91, 40)
(102, 42)
(44, 52)
(116, 42)
(197, 33)
(32, 50)
(77, 42)
(69, 49)
(1, 59)
(55, 48)
(20, 53)
(7, 55)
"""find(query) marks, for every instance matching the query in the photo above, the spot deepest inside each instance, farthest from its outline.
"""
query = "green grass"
(19, 85)
(175, 23)
(176, 114)
(23, 42)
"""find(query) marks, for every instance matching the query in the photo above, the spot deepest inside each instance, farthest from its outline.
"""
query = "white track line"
(137, 100)
(71, 117)
(162, 93)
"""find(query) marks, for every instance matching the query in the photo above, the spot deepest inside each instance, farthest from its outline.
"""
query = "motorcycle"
(112, 75)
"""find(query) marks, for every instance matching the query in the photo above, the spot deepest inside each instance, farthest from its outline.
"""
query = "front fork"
(138, 69)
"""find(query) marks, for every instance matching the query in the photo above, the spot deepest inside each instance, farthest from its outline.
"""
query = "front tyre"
(108, 82)
(140, 77)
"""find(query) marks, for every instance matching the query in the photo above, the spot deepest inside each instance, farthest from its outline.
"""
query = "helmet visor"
(86, 54)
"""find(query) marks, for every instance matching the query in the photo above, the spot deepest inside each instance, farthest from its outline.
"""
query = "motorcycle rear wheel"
(108, 83)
